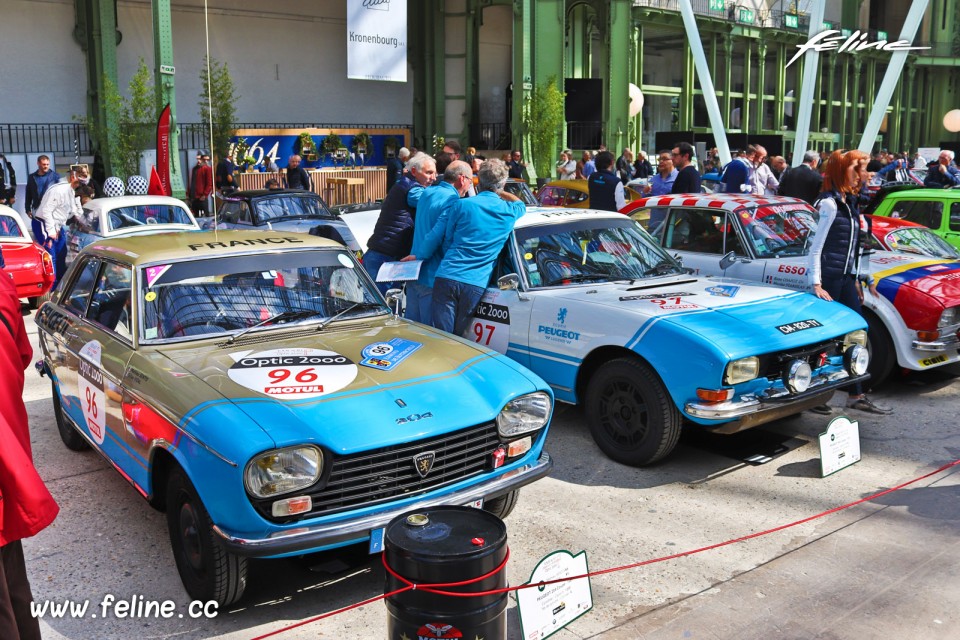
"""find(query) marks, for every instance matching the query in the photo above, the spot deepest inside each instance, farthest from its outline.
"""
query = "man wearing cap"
(201, 184)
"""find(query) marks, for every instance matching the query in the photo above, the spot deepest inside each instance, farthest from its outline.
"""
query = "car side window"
(731, 240)
(110, 306)
(243, 215)
(230, 212)
(552, 196)
(576, 197)
(955, 216)
(929, 213)
(78, 295)
(695, 230)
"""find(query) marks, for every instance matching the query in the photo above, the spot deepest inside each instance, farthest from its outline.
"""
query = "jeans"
(419, 301)
(58, 252)
(453, 305)
(845, 292)
(371, 262)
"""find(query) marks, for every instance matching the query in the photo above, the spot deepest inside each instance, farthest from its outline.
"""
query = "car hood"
(303, 386)
(895, 271)
(738, 317)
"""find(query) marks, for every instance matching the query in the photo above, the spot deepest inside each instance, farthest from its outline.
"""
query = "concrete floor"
(885, 569)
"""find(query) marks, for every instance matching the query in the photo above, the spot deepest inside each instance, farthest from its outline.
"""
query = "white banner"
(377, 40)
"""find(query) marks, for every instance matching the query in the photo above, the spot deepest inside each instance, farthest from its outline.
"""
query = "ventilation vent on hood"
(654, 285)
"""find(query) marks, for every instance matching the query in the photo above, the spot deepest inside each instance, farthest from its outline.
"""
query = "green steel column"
(747, 64)
(102, 53)
(816, 119)
(845, 102)
(871, 89)
(832, 74)
(728, 80)
(908, 128)
(849, 14)
(761, 71)
(417, 40)
(522, 74)
(685, 122)
(471, 81)
(855, 111)
(438, 96)
(618, 77)
(780, 88)
(893, 120)
(638, 78)
(166, 94)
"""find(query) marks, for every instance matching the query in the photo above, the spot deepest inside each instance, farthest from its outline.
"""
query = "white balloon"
(951, 121)
(636, 100)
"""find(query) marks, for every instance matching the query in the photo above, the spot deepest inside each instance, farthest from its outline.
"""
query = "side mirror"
(509, 282)
(731, 259)
(393, 300)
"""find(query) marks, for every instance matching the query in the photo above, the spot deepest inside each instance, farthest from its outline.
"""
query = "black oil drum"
(443, 545)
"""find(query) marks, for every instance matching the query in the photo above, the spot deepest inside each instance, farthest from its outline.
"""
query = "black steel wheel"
(501, 506)
(208, 571)
(883, 355)
(70, 436)
(631, 416)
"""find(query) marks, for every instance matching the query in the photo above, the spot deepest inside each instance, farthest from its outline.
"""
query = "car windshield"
(521, 190)
(779, 230)
(9, 228)
(229, 294)
(922, 241)
(275, 208)
(144, 214)
(600, 250)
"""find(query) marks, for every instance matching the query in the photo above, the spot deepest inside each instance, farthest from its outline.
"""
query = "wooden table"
(369, 183)
(347, 190)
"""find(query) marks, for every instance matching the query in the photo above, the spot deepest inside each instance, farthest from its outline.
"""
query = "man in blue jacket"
(38, 182)
(942, 173)
(474, 231)
(434, 204)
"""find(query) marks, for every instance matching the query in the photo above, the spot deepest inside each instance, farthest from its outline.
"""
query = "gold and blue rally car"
(256, 387)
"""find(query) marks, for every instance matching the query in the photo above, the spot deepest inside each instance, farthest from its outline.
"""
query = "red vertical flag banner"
(163, 150)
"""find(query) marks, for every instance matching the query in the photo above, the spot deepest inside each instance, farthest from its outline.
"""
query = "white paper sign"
(546, 609)
(377, 40)
(839, 445)
(399, 271)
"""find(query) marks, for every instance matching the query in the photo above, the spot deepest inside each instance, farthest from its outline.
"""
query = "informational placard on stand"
(839, 445)
(547, 608)
(399, 271)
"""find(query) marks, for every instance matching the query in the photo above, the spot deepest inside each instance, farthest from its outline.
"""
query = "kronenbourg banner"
(163, 150)
(377, 40)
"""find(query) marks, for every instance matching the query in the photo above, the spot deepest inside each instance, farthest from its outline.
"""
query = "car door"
(952, 232)
(99, 348)
(502, 318)
(60, 323)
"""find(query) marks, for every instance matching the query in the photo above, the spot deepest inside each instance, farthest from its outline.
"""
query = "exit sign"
(882, 35)
(745, 16)
(717, 5)
(791, 21)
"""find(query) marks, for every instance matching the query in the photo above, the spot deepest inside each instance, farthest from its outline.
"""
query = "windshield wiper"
(578, 277)
(661, 268)
(354, 306)
(283, 316)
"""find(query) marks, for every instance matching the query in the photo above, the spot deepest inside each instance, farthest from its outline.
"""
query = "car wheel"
(33, 303)
(70, 436)
(631, 416)
(208, 571)
(501, 506)
(883, 355)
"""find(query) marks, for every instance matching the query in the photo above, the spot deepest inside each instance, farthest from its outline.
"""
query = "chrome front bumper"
(780, 399)
(949, 341)
(316, 537)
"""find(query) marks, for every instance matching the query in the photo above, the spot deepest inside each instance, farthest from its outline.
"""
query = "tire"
(631, 416)
(208, 571)
(501, 506)
(883, 355)
(33, 303)
(70, 436)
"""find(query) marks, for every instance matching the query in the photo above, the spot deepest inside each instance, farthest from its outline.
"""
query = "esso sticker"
(90, 377)
(292, 374)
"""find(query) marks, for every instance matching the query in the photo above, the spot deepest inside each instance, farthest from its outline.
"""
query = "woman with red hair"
(837, 263)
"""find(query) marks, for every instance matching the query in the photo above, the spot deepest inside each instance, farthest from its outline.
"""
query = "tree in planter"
(362, 144)
(223, 97)
(542, 118)
(332, 145)
(137, 116)
(306, 147)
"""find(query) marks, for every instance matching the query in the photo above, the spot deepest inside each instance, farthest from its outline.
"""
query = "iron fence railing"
(584, 135)
(64, 139)
(490, 135)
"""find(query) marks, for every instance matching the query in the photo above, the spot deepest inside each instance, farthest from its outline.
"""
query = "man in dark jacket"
(38, 182)
(604, 186)
(392, 237)
(26, 507)
(803, 181)
(688, 178)
(297, 176)
(8, 182)
(942, 173)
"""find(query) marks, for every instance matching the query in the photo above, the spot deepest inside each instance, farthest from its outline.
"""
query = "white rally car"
(914, 322)
(592, 304)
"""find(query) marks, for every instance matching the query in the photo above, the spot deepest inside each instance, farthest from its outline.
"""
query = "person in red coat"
(26, 507)
(201, 184)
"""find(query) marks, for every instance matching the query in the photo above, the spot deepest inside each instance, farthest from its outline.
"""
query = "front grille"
(772, 365)
(386, 474)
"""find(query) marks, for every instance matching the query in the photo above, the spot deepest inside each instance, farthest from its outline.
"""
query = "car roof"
(10, 212)
(552, 215)
(925, 192)
(106, 204)
(177, 245)
(579, 185)
(256, 193)
(726, 201)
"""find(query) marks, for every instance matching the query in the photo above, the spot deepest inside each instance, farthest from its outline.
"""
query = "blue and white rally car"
(591, 303)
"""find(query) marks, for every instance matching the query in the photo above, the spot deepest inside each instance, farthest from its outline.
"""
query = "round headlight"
(797, 376)
(856, 359)
(282, 471)
(524, 414)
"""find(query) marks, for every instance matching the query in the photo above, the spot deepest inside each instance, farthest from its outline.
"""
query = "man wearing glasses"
(688, 178)
(516, 167)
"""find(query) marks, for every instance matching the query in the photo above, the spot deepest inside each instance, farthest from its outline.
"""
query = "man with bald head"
(434, 203)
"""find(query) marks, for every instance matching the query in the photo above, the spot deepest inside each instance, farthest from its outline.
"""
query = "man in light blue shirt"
(434, 203)
(661, 183)
(474, 231)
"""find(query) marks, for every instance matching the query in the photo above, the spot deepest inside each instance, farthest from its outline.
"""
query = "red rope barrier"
(435, 588)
